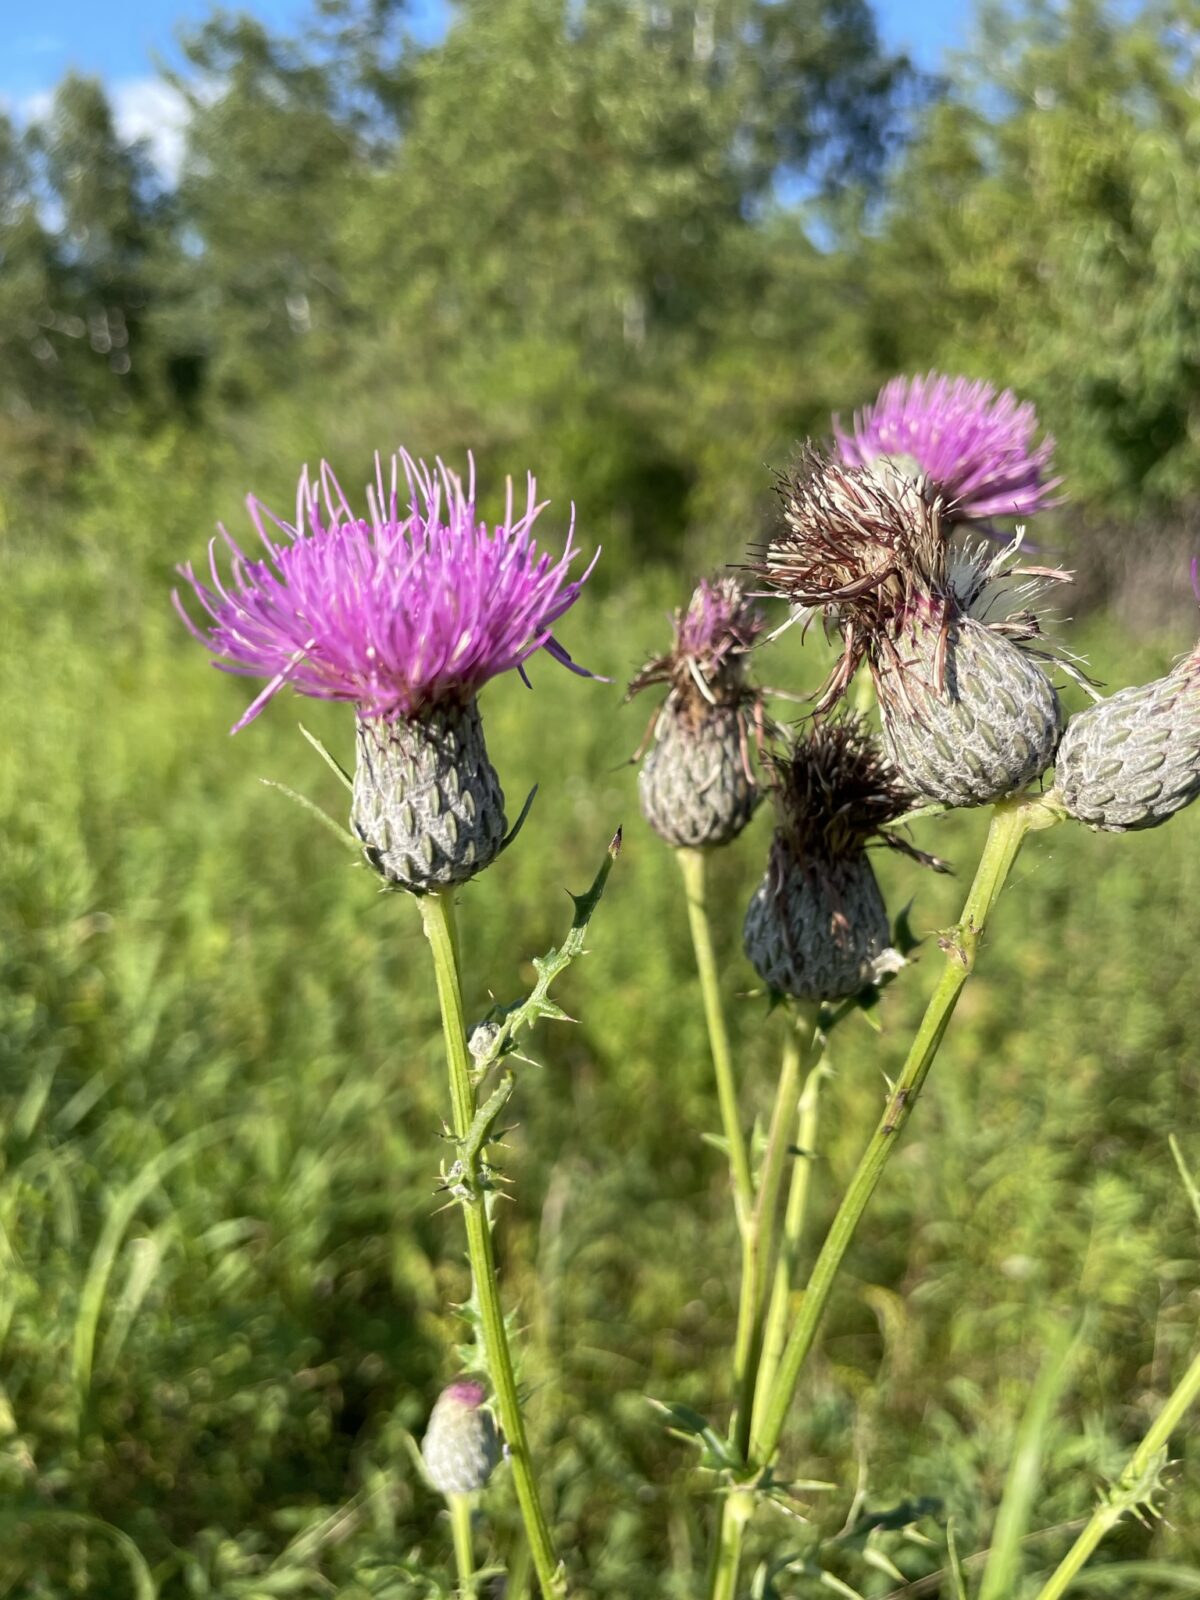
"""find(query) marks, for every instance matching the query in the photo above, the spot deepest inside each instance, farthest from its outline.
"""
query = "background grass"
(226, 1287)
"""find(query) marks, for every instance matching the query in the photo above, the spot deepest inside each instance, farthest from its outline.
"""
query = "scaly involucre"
(418, 605)
(975, 446)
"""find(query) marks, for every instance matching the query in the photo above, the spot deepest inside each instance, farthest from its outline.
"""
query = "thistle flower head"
(696, 785)
(817, 927)
(870, 547)
(417, 605)
(714, 634)
(975, 446)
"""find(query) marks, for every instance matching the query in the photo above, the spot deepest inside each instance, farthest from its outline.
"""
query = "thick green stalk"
(1011, 820)
(437, 911)
(1133, 1487)
(735, 1514)
(464, 1550)
(775, 1327)
(758, 1238)
(692, 866)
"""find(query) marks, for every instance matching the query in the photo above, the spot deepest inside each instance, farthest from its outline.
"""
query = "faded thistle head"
(1132, 761)
(696, 784)
(975, 447)
(461, 1446)
(817, 928)
(969, 712)
(405, 614)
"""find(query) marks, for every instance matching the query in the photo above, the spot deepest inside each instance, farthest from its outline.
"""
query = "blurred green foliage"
(641, 250)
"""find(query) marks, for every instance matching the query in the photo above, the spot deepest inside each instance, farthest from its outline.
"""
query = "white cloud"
(143, 108)
(148, 108)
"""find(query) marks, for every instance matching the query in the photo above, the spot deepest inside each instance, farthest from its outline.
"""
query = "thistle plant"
(817, 932)
(405, 615)
(974, 446)
(696, 785)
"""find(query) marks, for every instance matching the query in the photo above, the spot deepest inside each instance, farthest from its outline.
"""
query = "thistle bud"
(696, 786)
(817, 927)
(969, 712)
(427, 802)
(461, 1446)
(1133, 760)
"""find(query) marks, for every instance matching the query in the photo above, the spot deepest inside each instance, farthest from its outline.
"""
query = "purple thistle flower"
(418, 606)
(719, 621)
(975, 446)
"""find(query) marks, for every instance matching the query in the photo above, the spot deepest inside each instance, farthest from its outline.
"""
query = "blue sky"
(119, 39)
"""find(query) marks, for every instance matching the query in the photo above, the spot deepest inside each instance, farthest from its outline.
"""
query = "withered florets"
(871, 548)
(817, 927)
(706, 666)
(836, 792)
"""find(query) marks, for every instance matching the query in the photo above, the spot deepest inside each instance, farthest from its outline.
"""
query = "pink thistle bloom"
(719, 621)
(975, 446)
(416, 607)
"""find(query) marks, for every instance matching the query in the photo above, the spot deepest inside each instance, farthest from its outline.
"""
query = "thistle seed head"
(427, 803)
(1132, 761)
(461, 1446)
(817, 927)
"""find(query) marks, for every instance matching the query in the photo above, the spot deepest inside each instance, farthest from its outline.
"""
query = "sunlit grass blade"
(1003, 1570)
(122, 1210)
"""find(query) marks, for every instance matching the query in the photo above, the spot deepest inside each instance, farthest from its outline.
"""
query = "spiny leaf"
(510, 1020)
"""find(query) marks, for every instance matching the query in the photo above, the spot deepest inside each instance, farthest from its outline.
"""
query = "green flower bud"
(461, 1447)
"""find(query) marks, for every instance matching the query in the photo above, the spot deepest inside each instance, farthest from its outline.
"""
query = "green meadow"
(643, 252)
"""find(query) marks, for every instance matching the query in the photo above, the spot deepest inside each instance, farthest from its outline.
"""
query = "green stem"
(437, 912)
(464, 1549)
(757, 1242)
(1011, 820)
(735, 1513)
(692, 866)
(775, 1328)
(1132, 1487)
